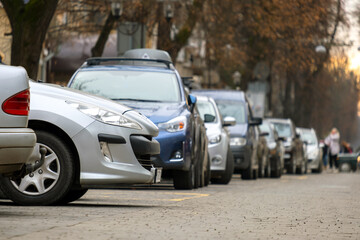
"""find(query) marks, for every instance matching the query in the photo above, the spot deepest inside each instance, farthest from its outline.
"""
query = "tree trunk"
(98, 49)
(29, 23)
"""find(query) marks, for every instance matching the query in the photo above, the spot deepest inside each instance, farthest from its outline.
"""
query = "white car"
(16, 140)
(221, 158)
(88, 142)
(313, 150)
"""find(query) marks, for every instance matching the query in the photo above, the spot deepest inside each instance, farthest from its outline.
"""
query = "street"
(311, 206)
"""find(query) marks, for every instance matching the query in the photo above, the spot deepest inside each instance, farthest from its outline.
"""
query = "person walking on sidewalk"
(333, 141)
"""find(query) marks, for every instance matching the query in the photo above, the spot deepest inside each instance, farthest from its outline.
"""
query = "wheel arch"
(49, 127)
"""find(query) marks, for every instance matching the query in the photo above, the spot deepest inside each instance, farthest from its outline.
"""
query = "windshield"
(283, 129)
(233, 109)
(309, 137)
(129, 85)
(206, 107)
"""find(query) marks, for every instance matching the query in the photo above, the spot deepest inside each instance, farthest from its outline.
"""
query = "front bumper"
(112, 155)
(240, 161)
(218, 155)
(16, 146)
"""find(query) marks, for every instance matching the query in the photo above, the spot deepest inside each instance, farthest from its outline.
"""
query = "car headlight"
(215, 139)
(174, 125)
(358, 159)
(104, 115)
(238, 141)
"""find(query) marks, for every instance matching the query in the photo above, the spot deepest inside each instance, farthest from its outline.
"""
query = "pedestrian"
(345, 147)
(333, 142)
(325, 150)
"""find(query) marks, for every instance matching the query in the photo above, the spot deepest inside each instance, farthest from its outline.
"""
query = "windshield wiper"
(133, 99)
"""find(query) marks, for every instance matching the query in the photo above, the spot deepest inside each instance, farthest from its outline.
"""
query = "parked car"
(276, 148)
(16, 140)
(221, 157)
(243, 140)
(295, 161)
(88, 141)
(314, 151)
(146, 80)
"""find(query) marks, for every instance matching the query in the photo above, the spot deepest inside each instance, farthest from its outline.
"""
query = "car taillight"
(19, 104)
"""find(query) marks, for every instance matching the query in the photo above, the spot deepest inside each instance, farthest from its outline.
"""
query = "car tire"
(345, 167)
(268, 168)
(226, 176)
(208, 172)
(184, 179)
(247, 174)
(48, 184)
(291, 169)
(318, 169)
(262, 166)
(277, 171)
(73, 195)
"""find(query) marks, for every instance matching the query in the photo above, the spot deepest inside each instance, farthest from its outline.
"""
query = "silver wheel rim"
(42, 179)
(345, 167)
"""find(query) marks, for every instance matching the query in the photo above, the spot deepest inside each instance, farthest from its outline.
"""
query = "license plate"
(158, 175)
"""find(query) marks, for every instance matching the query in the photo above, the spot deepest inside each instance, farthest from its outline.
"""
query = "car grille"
(145, 161)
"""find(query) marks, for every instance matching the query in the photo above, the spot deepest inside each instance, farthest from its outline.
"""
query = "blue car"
(243, 136)
(146, 80)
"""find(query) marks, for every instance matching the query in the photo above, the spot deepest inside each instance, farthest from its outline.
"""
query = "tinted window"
(283, 129)
(128, 85)
(206, 107)
(234, 109)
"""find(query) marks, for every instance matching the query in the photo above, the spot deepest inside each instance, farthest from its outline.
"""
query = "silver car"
(16, 141)
(86, 142)
(313, 150)
(221, 158)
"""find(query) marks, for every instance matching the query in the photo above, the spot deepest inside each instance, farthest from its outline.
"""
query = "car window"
(265, 127)
(309, 137)
(129, 85)
(206, 107)
(235, 109)
(283, 129)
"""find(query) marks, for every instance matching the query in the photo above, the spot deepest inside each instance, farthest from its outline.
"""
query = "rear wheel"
(345, 167)
(48, 184)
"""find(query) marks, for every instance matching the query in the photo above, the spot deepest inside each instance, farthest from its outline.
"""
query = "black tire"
(268, 168)
(55, 184)
(226, 176)
(184, 179)
(208, 172)
(291, 168)
(277, 171)
(262, 167)
(319, 168)
(73, 195)
(247, 174)
(345, 167)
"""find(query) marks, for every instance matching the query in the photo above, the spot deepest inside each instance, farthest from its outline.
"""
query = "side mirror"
(229, 121)
(306, 142)
(208, 118)
(297, 135)
(191, 101)
(264, 134)
(255, 122)
(281, 139)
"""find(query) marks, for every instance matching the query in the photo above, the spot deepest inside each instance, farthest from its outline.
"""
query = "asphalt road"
(325, 206)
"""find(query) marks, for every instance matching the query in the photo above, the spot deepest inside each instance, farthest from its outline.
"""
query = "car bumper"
(175, 151)
(240, 162)
(218, 154)
(112, 155)
(16, 146)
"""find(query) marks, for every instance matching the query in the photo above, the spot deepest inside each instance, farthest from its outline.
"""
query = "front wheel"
(185, 179)
(48, 184)
(73, 195)
(248, 173)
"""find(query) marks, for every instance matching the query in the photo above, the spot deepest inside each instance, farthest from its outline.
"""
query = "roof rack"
(98, 61)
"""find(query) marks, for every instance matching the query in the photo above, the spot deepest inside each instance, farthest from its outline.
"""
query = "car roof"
(222, 94)
(126, 68)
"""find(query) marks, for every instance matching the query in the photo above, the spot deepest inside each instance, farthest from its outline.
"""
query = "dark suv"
(243, 139)
(146, 80)
(294, 158)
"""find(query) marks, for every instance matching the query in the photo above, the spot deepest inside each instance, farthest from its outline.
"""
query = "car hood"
(157, 112)
(238, 130)
(68, 94)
